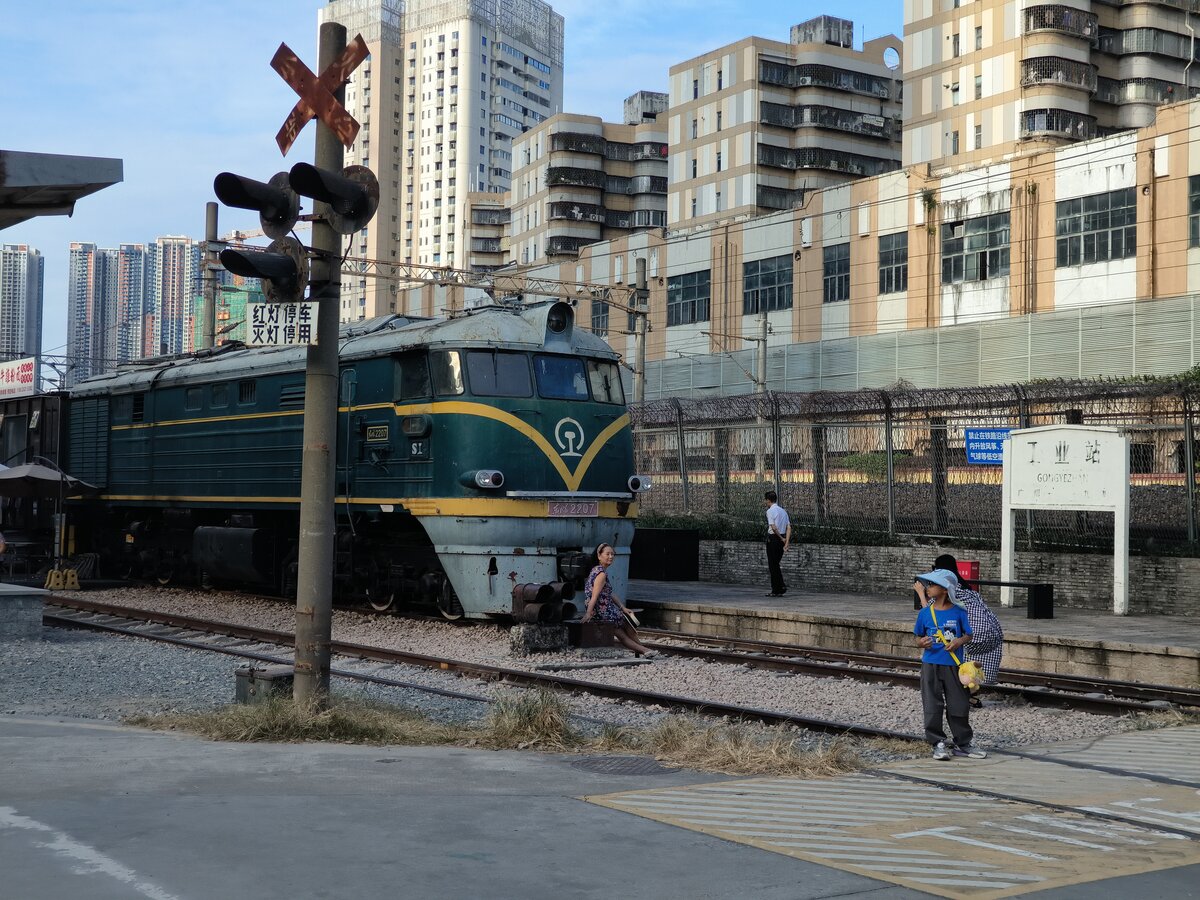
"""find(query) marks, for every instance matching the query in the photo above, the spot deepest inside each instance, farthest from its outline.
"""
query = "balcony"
(779, 198)
(577, 212)
(569, 176)
(1141, 90)
(823, 158)
(561, 245)
(638, 184)
(809, 75)
(1054, 70)
(486, 245)
(1057, 123)
(636, 218)
(577, 143)
(1062, 20)
(831, 118)
(635, 152)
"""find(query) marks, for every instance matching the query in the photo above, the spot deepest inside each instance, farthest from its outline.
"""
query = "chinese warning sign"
(275, 324)
(18, 378)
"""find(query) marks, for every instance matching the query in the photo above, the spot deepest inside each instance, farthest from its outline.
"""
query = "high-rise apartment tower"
(448, 85)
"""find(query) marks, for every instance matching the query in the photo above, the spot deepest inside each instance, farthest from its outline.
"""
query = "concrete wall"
(1159, 585)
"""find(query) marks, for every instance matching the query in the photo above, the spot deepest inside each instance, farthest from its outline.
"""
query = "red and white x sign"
(316, 94)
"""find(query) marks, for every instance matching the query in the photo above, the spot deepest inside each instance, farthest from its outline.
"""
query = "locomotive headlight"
(639, 483)
(558, 318)
(484, 478)
(415, 426)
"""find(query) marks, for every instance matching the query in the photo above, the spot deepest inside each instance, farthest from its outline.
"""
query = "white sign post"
(1068, 467)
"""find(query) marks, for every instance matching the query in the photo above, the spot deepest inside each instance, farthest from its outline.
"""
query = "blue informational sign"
(985, 446)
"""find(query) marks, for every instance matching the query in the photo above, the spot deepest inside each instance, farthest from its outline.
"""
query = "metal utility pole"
(314, 590)
(208, 314)
(762, 353)
(639, 341)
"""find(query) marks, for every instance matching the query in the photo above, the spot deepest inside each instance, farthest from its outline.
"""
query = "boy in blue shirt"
(942, 627)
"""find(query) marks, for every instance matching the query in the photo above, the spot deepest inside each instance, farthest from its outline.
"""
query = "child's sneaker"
(970, 750)
(941, 751)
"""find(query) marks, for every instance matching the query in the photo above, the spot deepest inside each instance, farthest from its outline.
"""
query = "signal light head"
(352, 195)
(282, 267)
(277, 205)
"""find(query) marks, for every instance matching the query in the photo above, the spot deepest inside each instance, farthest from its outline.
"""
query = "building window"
(1194, 211)
(718, 201)
(767, 284)
(720, 79)
(695, 128)
(599, 318)
(978, 37)
(975, 249)
(893, 263)
(953, 142)
(978, 137)
(693, 207)
(688, 297)
(954, 94)
(955, 49)
(695, 89)
(718, 160)
(695, 165)
(1097, 228)
(718, 120)
(837, 273)
(978, 87)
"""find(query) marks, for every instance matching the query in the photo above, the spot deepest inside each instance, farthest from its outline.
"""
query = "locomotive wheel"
(165, 573)
(381, 601)
(447, 603)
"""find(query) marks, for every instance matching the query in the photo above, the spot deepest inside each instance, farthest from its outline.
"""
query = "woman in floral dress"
(604, 606)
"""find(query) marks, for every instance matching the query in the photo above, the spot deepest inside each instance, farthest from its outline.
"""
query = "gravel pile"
(195, 679)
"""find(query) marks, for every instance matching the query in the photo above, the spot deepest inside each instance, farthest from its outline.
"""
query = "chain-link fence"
(894, 463)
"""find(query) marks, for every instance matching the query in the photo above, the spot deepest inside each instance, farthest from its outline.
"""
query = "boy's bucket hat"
(943, 578)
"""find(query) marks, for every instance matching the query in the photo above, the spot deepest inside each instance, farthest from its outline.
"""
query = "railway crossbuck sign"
(316, 93)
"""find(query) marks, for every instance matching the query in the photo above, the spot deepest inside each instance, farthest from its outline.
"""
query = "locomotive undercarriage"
(388, 562)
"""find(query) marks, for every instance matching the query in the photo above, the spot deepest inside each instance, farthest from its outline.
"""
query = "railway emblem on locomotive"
(568, 434)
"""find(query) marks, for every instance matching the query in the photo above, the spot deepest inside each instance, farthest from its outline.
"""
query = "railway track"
(1098, 695)
(196, 633)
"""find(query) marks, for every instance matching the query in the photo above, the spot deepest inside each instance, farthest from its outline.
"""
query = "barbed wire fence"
(890, 465)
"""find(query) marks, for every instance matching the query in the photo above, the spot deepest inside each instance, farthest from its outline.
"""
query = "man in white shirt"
(779, 535)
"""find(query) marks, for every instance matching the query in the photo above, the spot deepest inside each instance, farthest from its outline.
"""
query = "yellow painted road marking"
(948, 843)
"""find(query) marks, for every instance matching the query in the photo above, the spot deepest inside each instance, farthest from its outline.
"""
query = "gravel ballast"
(82, 674)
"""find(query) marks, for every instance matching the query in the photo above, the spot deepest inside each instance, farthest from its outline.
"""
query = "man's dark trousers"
(774, 555)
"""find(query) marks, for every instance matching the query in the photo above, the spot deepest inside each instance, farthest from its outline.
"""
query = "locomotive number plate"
(377, 433)
(567, 509)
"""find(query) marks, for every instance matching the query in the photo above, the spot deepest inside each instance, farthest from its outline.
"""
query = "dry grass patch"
(1166, 718)
(283, 720)
(522, 720)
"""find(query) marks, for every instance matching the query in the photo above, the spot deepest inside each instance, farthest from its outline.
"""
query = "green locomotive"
(476, 454)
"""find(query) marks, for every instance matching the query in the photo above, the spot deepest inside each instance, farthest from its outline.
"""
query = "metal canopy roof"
(46, 184)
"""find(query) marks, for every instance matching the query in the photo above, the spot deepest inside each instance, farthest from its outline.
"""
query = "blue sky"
(181, 90)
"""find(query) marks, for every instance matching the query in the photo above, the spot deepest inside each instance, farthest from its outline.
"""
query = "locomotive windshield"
(605, 379)
(560, 377)
(496, 373)
(506, 373)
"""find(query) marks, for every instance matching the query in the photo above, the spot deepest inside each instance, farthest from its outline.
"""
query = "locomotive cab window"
(560, 377)
(494, 373)
(412, 377)
(446, 366)
(605, 379)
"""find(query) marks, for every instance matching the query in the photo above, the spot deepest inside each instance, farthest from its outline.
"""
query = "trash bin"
(1041, 602)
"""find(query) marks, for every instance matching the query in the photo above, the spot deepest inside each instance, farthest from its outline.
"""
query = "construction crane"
(238, 236)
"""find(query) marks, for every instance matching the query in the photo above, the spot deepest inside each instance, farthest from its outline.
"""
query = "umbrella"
(36, 480)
